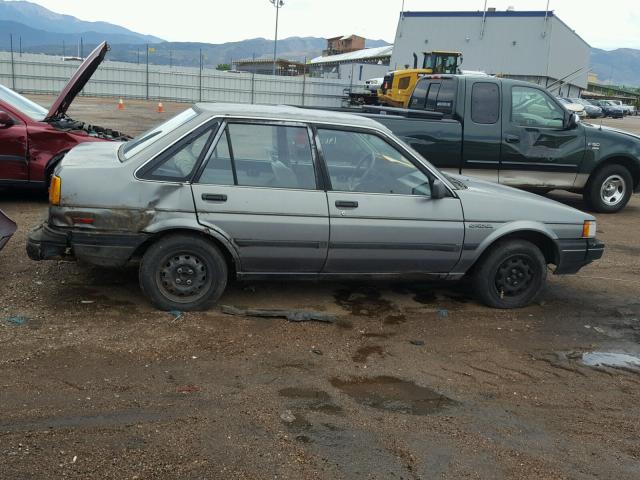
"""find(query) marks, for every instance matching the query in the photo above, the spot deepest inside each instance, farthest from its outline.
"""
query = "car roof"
(288, 113)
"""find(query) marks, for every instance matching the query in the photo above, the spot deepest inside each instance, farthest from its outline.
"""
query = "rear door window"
(485, 103)
(260, 155)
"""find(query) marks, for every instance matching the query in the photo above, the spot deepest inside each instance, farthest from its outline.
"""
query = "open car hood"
(77, 82)
(7, 228)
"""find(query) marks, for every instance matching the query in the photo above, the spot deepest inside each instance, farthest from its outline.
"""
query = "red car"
(33, 140)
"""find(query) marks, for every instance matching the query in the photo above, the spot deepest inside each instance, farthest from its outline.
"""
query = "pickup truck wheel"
(183, 272)
(511, 275)
(609, 189)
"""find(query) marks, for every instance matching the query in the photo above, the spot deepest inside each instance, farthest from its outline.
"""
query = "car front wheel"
(510, 275)
(183, 272)
(609, 189)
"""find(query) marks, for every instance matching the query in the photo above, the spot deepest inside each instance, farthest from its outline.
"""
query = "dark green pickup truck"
(517, 134)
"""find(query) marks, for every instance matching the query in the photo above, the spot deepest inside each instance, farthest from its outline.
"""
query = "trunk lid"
(77, 82)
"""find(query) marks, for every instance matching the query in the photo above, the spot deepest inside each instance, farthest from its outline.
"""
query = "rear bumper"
(98, 248)
(575, 254)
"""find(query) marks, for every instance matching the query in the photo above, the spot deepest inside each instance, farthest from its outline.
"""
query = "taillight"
(55, 187)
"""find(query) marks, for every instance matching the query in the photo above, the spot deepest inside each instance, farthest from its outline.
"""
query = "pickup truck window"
(362, 162)
(434, 95)
(485, 103)
(262, 156)
(531, 107)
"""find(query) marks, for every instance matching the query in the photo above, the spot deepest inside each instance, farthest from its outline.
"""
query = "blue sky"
(608, 25)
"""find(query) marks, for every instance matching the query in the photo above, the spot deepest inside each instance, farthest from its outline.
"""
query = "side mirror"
(438, 189)
(572, 121)
(5, 120)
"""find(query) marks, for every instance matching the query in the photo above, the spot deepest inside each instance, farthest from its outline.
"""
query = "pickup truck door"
(13, 151)
(537, 151)
(382, 217)
(482, 135)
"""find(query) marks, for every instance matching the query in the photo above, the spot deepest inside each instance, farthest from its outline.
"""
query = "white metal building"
(355, 67)
(535, 46)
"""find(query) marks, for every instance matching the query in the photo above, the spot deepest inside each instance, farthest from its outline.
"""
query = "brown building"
(338, 45)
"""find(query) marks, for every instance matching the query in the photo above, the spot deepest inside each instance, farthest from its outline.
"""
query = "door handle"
(512, 139)
(346, 204)
(214, 197)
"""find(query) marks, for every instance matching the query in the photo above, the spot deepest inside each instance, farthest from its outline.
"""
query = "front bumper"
(107, 249)
(575, 254)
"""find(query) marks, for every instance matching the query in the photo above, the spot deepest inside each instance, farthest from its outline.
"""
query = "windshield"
(22, 104)
(148, 138)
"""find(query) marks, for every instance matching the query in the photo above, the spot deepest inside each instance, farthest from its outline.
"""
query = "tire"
(493, 280)
(609, 189)
(173, 261)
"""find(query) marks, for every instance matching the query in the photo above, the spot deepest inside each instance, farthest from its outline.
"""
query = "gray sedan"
(226, 191)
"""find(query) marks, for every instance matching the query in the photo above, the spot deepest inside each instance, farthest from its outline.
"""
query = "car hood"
(7, 229)
(490, 202)
(614, 130)
(77, 82)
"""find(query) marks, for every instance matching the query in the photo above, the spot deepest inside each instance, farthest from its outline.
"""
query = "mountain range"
(36, 29)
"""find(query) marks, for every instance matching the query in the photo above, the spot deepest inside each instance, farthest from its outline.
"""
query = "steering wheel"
(355, 178)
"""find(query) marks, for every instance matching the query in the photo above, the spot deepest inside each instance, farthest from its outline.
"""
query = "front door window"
(363, 162)
(531, 107)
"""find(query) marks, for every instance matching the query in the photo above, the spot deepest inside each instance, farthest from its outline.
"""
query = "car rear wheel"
(183, 272)
(609, 189)
(510, 275)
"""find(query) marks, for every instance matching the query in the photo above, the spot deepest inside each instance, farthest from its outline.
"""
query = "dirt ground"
(411, 382)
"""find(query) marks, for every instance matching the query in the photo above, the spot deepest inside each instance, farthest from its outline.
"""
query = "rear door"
(13, 151)
(537, 151)
(482, 133)
(382, 217)
(259, 186)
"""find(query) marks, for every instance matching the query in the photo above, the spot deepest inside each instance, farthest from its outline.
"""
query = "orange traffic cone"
(121, 105)
(160, 108)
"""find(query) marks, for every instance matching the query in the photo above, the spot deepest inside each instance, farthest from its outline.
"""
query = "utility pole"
(278, 4)
(147, 76)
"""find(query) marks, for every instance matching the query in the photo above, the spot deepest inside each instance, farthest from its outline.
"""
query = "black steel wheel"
(183, 272)
(510, 275)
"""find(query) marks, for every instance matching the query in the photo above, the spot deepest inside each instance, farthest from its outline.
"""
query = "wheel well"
(228, 257)
(628, 163)
(546, 245)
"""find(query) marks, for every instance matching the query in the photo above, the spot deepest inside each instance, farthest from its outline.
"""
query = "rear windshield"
(148, 138)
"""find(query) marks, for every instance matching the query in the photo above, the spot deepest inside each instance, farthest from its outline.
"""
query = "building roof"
(364, 54)
(288, 113)
(480, 13)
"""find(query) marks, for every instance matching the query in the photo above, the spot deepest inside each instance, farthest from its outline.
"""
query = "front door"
(259, 187)
(537, 151)
(382, 217)
(13, 152)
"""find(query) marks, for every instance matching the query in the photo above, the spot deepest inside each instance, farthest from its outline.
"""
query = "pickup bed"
(515, 133)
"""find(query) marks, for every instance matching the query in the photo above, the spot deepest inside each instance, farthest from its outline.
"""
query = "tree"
(223, 66)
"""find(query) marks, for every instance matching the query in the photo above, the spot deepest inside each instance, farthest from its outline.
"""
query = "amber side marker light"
(589, 229)
(54, 190)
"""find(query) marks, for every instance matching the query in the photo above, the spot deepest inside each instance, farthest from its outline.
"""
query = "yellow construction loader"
(398, 85)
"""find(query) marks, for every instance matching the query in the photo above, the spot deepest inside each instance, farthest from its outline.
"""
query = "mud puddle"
(611, 359)
(314, 400)
(363, 301)
(394, 395)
